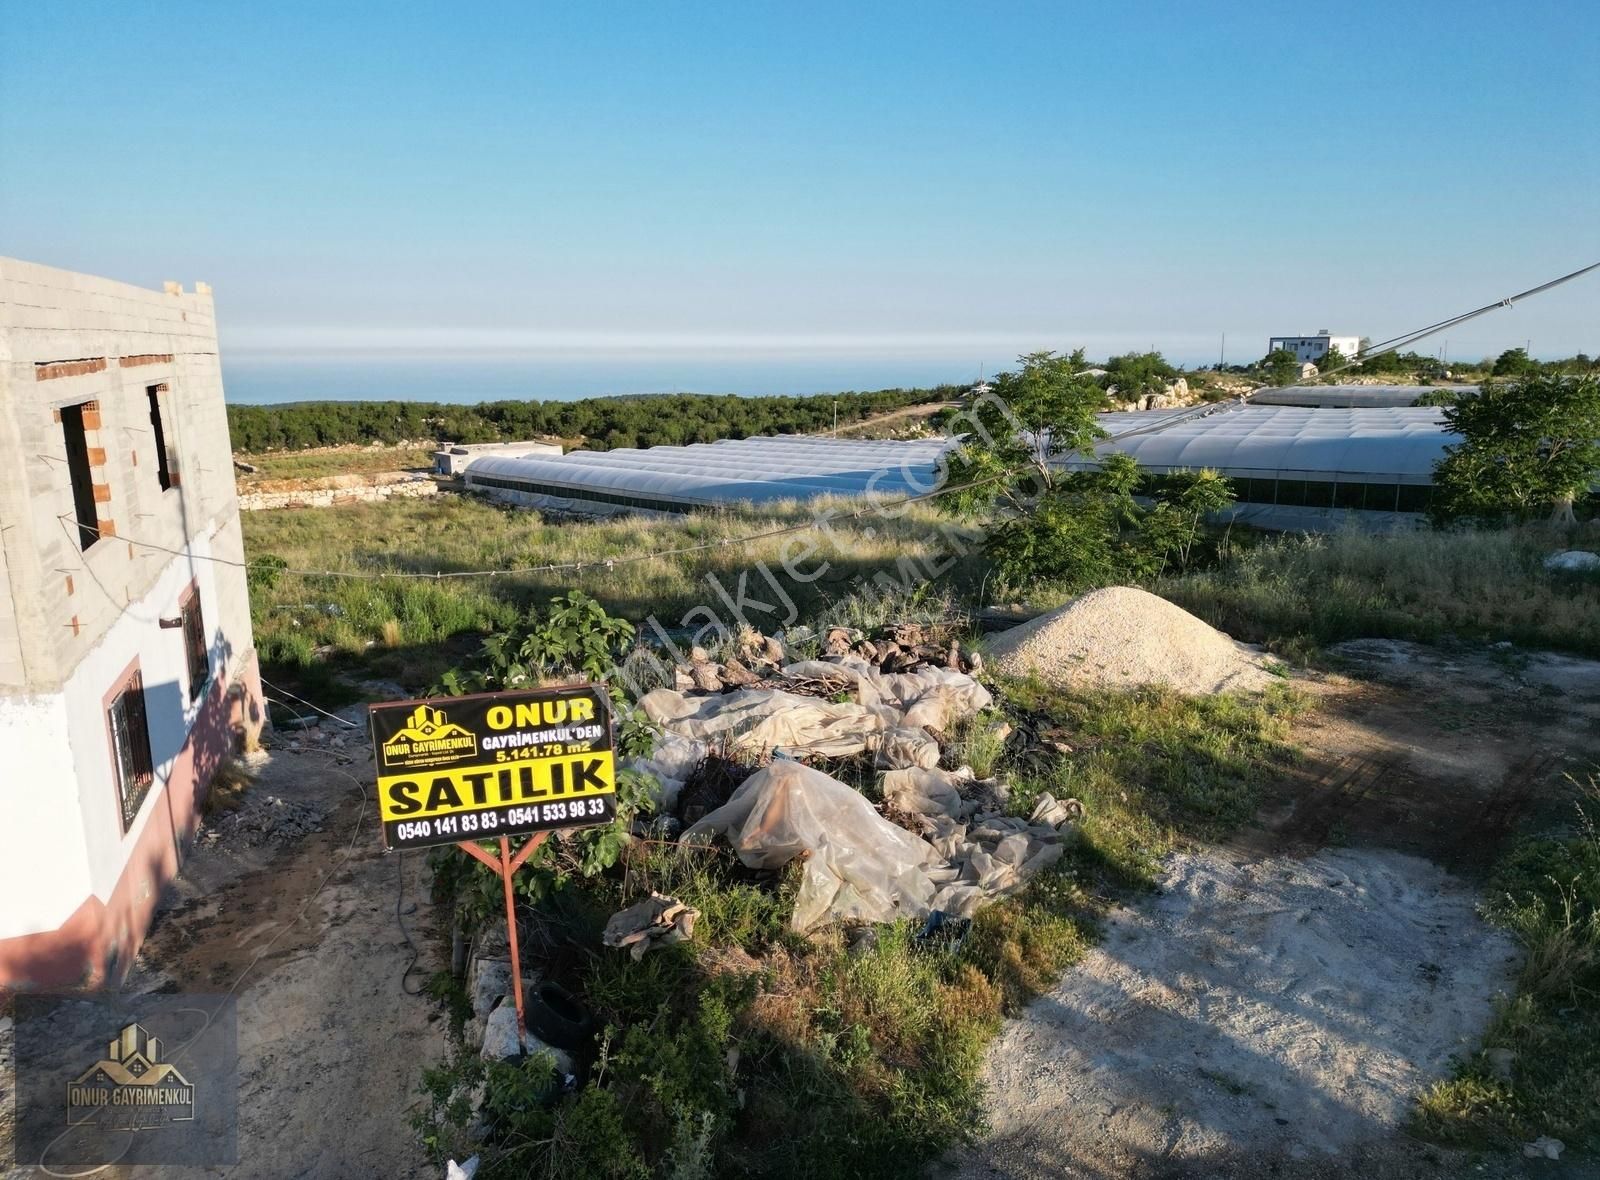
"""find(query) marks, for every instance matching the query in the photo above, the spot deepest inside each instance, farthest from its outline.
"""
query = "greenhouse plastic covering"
(1352, 396)
(758, 470)
(1396, 444)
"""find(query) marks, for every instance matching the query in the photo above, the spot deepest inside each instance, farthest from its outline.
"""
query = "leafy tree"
(1019, 435)
(1527, 446)
(1334, 359)
(1137, 374)
(1281, 367)
(1513, 362)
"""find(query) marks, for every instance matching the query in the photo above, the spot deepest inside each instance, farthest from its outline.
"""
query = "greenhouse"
(1349, 397)
(1296, 467)
(709, 475)
(1292, 467)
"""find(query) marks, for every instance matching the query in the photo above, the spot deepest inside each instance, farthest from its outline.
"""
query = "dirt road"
(293, 902)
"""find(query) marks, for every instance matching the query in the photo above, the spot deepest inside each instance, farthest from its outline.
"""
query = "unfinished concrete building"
(127, 669)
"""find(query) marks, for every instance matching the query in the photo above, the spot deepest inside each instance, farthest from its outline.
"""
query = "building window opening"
(130, 746)
(163, 470)
(194, 644)
(78, 469)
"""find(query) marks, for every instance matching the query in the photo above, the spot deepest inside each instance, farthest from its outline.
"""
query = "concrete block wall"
(80, 885)
(72, 339)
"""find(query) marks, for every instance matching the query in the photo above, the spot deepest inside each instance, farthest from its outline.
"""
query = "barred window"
(194, 643)
(130, 746)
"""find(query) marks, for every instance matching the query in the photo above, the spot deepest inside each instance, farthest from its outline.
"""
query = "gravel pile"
(265, 819)
(1122, 637)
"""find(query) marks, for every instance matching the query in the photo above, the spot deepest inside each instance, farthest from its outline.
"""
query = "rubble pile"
(891, 699)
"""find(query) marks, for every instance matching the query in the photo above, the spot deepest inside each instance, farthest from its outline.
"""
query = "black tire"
(558, 1019)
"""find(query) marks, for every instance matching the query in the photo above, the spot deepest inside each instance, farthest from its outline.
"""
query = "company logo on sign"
(130, 1088)
(427, 738)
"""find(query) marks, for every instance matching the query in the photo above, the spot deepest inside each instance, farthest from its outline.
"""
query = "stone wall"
(341, 489)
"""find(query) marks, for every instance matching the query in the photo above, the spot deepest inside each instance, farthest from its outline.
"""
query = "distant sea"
(261, 379)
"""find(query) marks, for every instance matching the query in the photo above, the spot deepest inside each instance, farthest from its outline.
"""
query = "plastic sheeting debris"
(658, 920)
(758, 719)
(861, 867)
(858, 865)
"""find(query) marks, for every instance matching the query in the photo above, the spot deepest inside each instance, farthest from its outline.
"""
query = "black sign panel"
(495, 764)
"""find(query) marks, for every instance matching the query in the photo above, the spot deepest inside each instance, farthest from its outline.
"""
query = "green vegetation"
(603, 423)
(411, 630)
(750, 1050)
(1049, 524)
(1280, 367)
(1300, 593)
(1547, 893)
(1136, 374)
(1529, 447)
(320, 464)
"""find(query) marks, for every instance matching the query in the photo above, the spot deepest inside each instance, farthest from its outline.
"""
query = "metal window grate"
(130, 741)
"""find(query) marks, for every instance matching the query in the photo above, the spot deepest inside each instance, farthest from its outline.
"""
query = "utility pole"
(1222, 357)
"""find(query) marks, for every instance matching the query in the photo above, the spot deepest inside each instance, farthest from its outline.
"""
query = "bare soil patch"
(1279, 1006)
(330, 1048)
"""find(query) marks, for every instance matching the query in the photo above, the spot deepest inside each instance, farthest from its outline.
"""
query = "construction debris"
(659, 920)
(861, 867)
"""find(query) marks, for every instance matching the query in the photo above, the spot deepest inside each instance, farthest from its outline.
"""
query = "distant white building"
(1313, 349)
(453, 460)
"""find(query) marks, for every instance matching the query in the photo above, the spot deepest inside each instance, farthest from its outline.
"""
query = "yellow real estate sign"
(495, 764)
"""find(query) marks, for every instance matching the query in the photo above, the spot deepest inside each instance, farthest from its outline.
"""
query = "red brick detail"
(91, 415)
(108, 528)
(69, 584)
(130, 551)
(55, 416)
(76, 626)
(50, 370)
(146, 358)
(97, 456)
(175, 479)
(102, 491)
(135, 457)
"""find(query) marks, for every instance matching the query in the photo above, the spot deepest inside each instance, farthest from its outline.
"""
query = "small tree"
(1017, 438)
(1513, 362)
(1281, 367)
(1137, 374)
(1527, 446)
(1334, 359)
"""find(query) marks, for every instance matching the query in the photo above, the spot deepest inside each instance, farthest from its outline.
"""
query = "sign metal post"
(460, 770)
(506, 864)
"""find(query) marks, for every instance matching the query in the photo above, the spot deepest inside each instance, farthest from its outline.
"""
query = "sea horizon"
(254, 379)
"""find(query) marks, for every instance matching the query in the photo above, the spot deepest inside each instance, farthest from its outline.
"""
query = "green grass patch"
(1300, 593)
(1547, 892)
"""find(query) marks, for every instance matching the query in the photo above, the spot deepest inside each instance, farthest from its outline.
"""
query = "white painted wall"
(45, 876)
(60, 801)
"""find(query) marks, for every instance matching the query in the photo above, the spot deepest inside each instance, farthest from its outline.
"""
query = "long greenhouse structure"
(1292, 467)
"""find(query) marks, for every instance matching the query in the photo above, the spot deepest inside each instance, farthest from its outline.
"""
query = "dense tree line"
(604, 423)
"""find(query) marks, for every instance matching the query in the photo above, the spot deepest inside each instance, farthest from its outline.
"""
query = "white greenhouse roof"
(751, 469)
(1396, 444)
(1352, 396)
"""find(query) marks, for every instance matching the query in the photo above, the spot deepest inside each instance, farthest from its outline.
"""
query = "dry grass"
(399, 624)
(1303, 592)
(325, 461)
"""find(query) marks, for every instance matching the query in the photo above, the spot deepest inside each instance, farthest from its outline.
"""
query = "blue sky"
(961, 179)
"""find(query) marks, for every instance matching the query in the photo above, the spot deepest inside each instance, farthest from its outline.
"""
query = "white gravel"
(1123, 637)
(1257, 1008)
